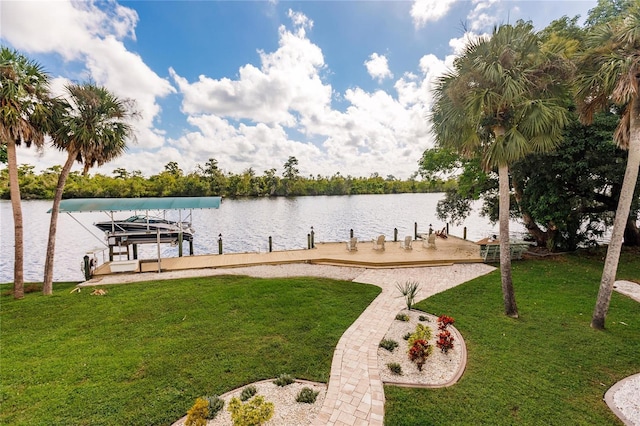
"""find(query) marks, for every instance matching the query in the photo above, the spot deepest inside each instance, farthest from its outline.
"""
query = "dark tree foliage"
(566, 198)
(574, 191)
(208, 180)
(607, 10)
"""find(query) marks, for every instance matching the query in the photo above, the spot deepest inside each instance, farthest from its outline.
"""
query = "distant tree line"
(210, 180)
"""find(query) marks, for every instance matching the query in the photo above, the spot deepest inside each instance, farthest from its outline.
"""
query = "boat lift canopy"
(131, 204)
(112, 205)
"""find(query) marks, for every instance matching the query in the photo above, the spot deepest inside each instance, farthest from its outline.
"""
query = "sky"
(342, 86)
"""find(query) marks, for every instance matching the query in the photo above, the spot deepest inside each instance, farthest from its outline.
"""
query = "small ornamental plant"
(389, 345)
(255, 412)
(423, 318)
(444, 321)
(395, 368)
(407, 336)
(419, 352)
(247, 393)
(421, 333)
(215, 405)
(284, 380)
(409, 291)
(445, 341)
(198, 414)
(307, 396)
(402, 317)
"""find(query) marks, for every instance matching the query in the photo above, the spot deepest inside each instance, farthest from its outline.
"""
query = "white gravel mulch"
(440, 369)
(287, 411)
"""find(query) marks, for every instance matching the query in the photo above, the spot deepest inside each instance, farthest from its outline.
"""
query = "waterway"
(245, 225)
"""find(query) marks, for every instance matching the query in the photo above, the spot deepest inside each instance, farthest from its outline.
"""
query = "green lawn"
(141, 354)
(546, 368)
(144, 352)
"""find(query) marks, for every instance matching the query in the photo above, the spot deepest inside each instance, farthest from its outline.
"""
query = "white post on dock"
(158, 239)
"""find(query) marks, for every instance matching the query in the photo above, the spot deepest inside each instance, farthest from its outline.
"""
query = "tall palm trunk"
(510, 308)
(14, 189)
(619, 223)
(47, 287)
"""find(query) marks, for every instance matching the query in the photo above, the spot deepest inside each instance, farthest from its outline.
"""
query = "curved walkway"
(355, 395)
(623, 398)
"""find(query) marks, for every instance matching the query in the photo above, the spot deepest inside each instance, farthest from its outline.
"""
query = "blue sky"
(344, 86)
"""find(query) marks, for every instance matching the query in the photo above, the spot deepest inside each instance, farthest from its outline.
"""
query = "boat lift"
(123, 238)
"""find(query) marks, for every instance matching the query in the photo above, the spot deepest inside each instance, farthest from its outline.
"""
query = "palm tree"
(610, 73)
(94, 131)
(25, 112)
(502, 101)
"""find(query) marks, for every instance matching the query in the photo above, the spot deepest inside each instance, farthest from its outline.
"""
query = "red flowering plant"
(445, 341)
(444, 321)
(419, 352)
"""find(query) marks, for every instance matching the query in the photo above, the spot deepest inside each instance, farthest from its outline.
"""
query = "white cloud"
(424, 11)
(481, 16)
(272, 111)
(378, 67)
(92, 36)
(288, 80)
(300, 20)
(282, 106)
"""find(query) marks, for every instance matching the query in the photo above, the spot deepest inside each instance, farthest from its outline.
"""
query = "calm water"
(245, 226)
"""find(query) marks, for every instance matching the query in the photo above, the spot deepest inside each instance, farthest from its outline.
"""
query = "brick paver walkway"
(355, 395)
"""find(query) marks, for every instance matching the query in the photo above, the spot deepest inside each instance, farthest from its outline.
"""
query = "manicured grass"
(546, 368)
(141, 354)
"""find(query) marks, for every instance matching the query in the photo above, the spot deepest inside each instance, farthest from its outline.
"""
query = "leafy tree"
(610, 72)
(502, 101)
(290, 174)
(25, 110)
(215, 176)
(121, 173)
(92, 131)
(270, 182)
(172, 168)
(607, 10)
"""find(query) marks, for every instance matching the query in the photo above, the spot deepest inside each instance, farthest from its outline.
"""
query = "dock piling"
(87, 268)
(313, 245)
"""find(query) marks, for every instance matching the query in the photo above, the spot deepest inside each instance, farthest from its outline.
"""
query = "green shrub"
(422, 332)
(424, 318)
(215, 405)
(409, 291)
(284, 380)
(402, 317)
(198, 414)
(253, 413)
(389, 345)
(406, 336)
(248, 392)
(395, 368)
(307, 396)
